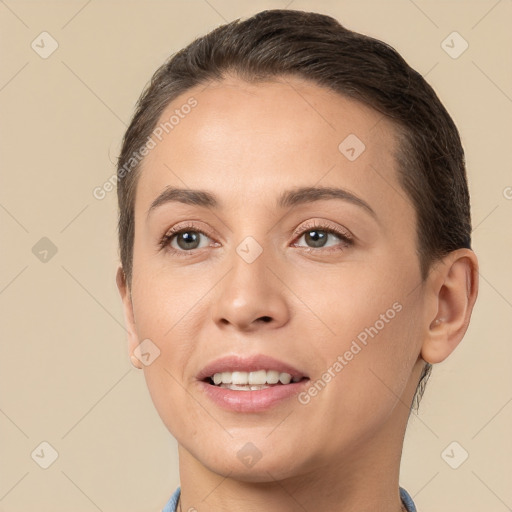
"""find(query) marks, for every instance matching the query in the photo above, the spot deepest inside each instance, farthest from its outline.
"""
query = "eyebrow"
(287, 199)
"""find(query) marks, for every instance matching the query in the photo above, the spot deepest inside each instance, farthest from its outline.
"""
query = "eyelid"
(182, 226)
(323, 224)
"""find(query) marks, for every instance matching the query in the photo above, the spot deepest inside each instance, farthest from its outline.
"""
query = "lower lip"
(251, 401)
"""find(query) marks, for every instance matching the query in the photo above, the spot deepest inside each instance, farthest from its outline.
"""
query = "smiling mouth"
(252, 381)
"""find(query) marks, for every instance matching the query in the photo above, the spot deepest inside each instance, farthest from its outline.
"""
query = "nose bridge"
(250, 242)
(249, 279)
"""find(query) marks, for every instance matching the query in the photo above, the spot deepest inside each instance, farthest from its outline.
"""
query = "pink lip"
(249, 401)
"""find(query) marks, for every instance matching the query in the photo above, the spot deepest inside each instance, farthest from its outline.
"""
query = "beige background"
(65, 373)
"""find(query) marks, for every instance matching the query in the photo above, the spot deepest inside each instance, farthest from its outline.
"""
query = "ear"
(125, 292)
(454, 289)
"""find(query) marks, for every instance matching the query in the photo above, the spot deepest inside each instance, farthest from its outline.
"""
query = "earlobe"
(135, 362)
(129, 319)
(455, 289)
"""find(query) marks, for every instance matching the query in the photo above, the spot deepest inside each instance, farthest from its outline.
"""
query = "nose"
(251, 296)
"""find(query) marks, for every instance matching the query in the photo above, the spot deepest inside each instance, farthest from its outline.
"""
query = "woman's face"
(266, 279)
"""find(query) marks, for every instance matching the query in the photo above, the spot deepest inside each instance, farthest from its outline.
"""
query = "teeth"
(243, 388)
(226, 377)
(272, 377)
(259, 377)
(285, 378)
(240, 378)
(252, 380)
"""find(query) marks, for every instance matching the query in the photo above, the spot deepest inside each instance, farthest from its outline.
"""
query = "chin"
(259, 473)
(248, 464)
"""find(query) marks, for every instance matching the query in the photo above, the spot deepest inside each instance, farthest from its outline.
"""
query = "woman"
(294, 234)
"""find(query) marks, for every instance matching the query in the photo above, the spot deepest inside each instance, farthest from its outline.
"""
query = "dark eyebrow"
(185, 196)
(288, 199)
(309, 194)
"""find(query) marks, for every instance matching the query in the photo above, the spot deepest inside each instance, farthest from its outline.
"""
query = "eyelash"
(345, 238)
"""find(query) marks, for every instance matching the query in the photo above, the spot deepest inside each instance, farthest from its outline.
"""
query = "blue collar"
(171, 505)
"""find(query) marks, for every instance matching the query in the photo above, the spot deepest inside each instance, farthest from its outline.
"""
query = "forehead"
(244, 140)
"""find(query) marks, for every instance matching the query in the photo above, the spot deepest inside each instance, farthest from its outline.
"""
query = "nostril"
(266, 319)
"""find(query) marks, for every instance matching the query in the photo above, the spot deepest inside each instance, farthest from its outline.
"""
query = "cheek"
(375, 335)
(364, 347)
(344, 303)
(372, 365)
(167, 311)
(165, 303)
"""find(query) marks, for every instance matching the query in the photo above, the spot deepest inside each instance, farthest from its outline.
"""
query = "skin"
(246, 143)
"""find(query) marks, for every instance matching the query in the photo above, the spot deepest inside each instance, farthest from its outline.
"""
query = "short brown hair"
(317, 47)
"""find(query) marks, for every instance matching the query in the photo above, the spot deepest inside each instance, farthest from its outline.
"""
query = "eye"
(183, 239)
(317, 235)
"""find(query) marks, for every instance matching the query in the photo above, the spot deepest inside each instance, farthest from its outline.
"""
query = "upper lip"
(247, 364)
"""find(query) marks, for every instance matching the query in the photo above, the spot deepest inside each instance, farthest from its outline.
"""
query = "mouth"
(251, 383)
